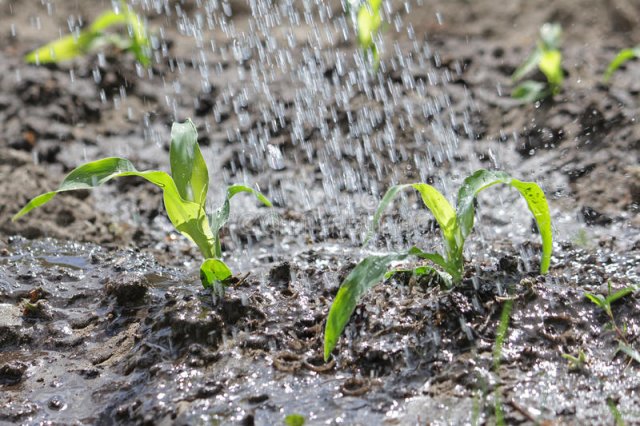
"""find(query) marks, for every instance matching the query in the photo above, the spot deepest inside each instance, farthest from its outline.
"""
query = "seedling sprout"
(184, 193)
(96, 36)
(548, 59)
(455, 226)
(623, 56)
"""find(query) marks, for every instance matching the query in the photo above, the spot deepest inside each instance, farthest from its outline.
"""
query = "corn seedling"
(294, 420)
(574, 362)
(368, 22)
(615, 412)
(548, 59)
(184, 194)
(605, 303)
(455, 226)
(95, 36)
(623, 56)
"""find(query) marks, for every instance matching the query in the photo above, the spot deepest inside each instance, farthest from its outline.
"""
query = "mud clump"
(128, 289)
(12, 372)
(192, 322)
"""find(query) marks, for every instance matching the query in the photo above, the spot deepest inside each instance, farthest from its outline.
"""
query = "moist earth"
(102, 316)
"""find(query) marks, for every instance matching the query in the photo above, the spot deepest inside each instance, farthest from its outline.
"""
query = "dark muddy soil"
(103, 319)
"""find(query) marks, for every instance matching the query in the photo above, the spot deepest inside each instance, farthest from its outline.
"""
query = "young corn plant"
(184, 194)
(623, 56)
(548, 59)
(368, 22)
(455, 226)
(96, 36)
(605, 303)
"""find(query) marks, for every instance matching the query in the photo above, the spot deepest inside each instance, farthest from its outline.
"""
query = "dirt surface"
(102, 317)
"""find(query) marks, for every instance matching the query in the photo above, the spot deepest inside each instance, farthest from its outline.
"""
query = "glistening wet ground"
(114, 337)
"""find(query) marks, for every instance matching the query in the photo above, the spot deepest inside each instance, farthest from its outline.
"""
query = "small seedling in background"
(455, 226)
(95, 36)
(548, 59)
(623, 56)
(294, 420)
(576, 362)
(368, 22)
(184, 193)
(605, 303)
(615, 412)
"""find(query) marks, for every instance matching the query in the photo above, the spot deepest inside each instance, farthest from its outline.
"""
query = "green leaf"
(220, 217)
(529, 65)
(550, 36)
(530, 91)
(139, 44)
(365, 275)
(71, 46)
(294, 420)
(187, 217)
(623, 56)
(551, 66)
(63, 49)
(368, 22)
(532, 193)
(629, 351)
(188, 168)
(432, 198)
(598, 300)
(620, 294)
(501, 333)
(213, 271)
(107, 19)
(433, 257)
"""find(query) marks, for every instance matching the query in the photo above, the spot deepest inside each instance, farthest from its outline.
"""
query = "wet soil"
(102, 317)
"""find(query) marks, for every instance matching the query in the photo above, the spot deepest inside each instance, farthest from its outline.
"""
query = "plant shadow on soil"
(92, 331)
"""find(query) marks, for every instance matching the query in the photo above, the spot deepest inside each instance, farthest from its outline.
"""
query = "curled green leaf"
(87, 40)
(220, 217)
(214, 271)
(621, 58)
(368, 273)
(532, 193)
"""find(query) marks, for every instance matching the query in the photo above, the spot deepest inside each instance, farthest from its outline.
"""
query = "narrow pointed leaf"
(139, 42)
(532, 193)
(623, 56)
(530, 91)
(106, 20)
(620, 294)
(551, 66)
(597, 299)
(141, 46)
(417, 271)
(434, 257)
(220, 217)
(365, 275)
(442, 210)
(529, 65)
(214, 271)
(188, 168)
(63, 49)
(369, 22)
(431, 197)
(629, 351)
(187, 217)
